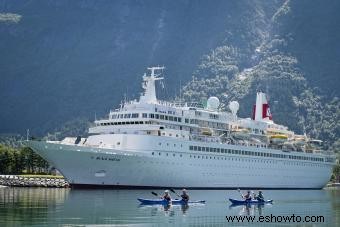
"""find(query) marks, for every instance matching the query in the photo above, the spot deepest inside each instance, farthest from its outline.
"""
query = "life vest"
(185, 197)
(168, 198)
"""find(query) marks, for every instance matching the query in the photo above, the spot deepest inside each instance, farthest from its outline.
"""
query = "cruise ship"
(149, 143)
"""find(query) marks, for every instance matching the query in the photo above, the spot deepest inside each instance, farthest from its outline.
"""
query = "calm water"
(68, 207)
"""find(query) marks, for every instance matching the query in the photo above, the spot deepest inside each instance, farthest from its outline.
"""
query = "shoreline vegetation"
(16, 160)
(21, 167)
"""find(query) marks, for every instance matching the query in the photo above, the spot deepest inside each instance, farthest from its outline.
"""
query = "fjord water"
(72, 207)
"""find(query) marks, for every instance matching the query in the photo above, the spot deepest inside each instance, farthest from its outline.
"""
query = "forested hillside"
(64, 61)
(290, 65)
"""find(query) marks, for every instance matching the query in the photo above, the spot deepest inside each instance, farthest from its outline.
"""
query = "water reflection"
(168, 210)
(48, 206)
(19, 206)
(250, 209)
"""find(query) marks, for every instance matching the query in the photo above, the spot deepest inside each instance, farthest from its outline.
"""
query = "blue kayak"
(244, 202)
(165, 202)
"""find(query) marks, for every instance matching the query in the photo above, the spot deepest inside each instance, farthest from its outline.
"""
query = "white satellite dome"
(234, 106)
(213, 103)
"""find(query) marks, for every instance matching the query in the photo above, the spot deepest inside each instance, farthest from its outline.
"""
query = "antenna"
(27, 134)
(127, 93)
(267, 91)
(153, 69)
(180, 89)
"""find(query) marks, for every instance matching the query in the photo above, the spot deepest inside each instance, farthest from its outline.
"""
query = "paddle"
(239, 190)
(253, 193)
(155, 194)
(173, 191)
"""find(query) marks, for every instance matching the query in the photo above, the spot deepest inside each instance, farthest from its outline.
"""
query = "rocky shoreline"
(33, 181)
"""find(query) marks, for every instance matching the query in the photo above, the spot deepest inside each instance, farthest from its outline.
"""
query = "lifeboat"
(299, 140)
(278, 138)
(206, 131)
(240, 133)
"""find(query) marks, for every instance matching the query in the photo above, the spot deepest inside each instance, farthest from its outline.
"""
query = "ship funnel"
(261, 110)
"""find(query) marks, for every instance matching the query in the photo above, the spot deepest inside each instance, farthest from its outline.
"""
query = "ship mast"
(149, 95)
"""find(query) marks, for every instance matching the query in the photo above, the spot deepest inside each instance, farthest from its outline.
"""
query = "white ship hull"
(151, 161)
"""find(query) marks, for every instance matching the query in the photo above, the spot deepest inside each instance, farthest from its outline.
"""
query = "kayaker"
(247, 196)
(166, 196)
(185, 196)
(260, 196)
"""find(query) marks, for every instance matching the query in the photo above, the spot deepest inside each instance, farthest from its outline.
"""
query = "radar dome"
(213, 103)
(234, 106)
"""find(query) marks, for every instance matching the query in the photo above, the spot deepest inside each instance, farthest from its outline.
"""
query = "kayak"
(243, 202)
(165, 202)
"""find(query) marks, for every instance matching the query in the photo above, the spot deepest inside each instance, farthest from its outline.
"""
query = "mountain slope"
(67, 59)
(299, 100)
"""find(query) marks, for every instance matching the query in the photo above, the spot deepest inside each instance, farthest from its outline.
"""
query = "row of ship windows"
(167, 118)
(238, 159)
(145, 115)
(159, 116)
(125, 123)
(253, 153)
